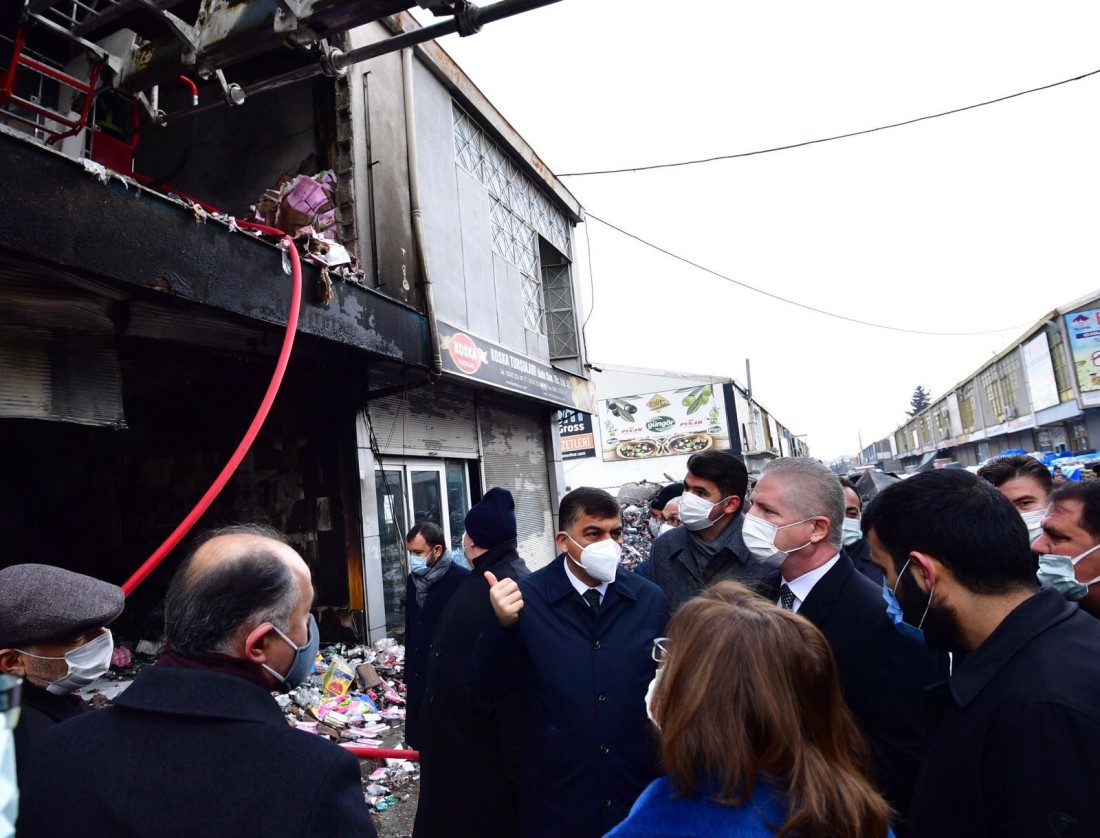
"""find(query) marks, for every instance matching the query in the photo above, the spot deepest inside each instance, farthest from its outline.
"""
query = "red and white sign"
(464, 353)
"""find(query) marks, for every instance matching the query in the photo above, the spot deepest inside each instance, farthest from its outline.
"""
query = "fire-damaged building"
(142, 318)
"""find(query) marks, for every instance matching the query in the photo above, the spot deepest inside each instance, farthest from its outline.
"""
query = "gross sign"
(577, 439)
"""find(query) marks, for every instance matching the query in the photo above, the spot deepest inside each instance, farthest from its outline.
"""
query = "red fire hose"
(381, 753)
(159, 554)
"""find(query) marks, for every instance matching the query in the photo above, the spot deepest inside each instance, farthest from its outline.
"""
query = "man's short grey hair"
(810, 489)
(204, 611)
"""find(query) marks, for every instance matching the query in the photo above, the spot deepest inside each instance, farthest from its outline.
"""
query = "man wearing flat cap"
(196, 745)
(460, 741)
(53, 635)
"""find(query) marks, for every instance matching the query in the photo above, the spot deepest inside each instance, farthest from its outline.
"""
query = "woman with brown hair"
(755, 739)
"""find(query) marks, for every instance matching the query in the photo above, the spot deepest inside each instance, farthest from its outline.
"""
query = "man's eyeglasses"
(660, 649)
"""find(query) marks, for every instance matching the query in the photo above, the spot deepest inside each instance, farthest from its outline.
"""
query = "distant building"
(1042, 393)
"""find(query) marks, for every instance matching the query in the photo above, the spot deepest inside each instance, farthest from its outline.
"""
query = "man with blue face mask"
(1014, 750)
(574, 642)
(1069, 545)
(433, 579)
(53, 635)
(196, 745)
(795, 524)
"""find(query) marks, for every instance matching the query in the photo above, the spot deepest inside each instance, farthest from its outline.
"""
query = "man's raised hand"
(506, 598)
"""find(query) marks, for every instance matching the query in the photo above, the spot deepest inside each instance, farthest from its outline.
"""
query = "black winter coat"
(186, 753)
(464, 782)
(1015, 752)
(883, 675)
(40, 711)
(420, 625)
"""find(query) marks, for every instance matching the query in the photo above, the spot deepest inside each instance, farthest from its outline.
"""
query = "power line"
(789, 301)
(827, 139)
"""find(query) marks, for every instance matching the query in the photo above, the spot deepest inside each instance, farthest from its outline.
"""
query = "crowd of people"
(793, 662)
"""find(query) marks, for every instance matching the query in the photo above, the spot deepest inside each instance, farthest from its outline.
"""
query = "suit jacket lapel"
(817, 606)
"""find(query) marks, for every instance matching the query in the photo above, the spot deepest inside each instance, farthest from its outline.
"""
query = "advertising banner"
(1084, 347)
(578, 440)
(1040, 373)
(664, 424)
(481, 360)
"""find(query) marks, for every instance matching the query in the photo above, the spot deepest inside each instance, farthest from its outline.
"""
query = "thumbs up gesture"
(507, 599)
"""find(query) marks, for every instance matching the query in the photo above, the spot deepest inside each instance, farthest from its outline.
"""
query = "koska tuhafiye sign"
(480, 360)
(663, 424)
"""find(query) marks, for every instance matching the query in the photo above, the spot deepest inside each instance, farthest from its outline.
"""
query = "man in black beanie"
(460, 742)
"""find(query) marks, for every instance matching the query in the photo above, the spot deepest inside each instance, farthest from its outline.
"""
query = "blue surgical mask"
(897, 617)
(304, 656)
(418, 564)
(1060, 573)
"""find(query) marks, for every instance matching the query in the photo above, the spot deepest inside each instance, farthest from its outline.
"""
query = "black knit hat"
(493, 520)
(672, 490)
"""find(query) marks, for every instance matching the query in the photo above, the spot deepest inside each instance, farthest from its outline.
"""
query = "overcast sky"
(977, 222)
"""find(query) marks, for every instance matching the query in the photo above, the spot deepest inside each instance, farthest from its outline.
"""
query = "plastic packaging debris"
(149, 648)
(297, 201)
(338, 677)
(97, 170)
(366, 676)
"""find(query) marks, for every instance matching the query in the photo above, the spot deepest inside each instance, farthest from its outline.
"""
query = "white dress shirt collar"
(802, 586)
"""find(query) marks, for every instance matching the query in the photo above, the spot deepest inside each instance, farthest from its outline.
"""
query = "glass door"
(389, 487)
(415, 492)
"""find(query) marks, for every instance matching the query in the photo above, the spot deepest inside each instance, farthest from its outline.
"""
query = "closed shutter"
(514, 457)
(428, 420)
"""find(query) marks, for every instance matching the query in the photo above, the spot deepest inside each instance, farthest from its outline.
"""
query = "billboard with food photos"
(1084, 345)
(664, 424)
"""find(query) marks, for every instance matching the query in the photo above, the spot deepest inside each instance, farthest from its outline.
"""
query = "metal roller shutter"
(429, 420)
(514, 456)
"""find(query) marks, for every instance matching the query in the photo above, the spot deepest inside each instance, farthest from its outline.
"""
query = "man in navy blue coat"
(433, 579)
(580, 654)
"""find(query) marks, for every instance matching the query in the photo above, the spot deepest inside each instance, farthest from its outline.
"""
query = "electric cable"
(828, 139)
(789, 301)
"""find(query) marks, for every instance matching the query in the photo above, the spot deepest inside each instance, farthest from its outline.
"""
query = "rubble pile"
(356, 695)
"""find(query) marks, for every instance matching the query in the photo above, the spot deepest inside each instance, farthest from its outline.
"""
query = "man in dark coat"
(795, 524)
(53, 635)
(463, 747)
(575, 642)
(708, 547)
(197, 745)
(433, 580)
(1015, 747)
(854, 542)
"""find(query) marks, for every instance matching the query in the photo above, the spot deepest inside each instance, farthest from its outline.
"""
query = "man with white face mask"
(708, 547)
(795, 524)
(1069, 546)
(1024, 481)
(574, 640)
(53, 636)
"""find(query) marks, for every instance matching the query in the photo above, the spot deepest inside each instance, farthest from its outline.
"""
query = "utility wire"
(745, 285)
(827, 139)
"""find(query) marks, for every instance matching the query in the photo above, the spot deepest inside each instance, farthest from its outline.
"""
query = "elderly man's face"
(43, 663)
(671, 512)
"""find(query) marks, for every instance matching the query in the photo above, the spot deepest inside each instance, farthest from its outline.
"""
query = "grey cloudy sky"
(975, 222)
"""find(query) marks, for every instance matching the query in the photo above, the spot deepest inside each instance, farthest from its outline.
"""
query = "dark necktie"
(786, 598)
(592, 597)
